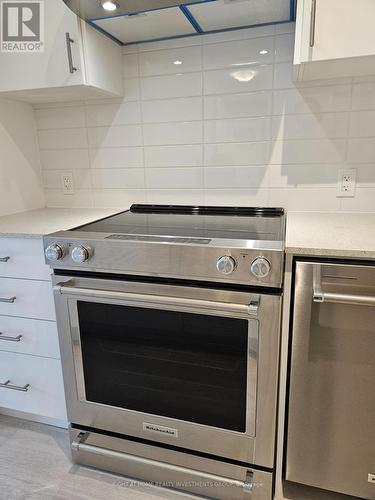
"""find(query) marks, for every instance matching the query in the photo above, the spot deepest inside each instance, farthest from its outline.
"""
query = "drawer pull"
(8, 301)
(4, 259)
(22, 388)
(10, 339)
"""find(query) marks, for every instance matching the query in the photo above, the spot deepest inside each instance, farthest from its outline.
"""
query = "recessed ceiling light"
(263, 52)
(177, 62)
(110, 5)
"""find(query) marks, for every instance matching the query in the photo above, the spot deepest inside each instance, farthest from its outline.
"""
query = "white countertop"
(36, 223)
(331, 234)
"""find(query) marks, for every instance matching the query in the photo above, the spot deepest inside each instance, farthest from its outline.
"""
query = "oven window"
(187, 366)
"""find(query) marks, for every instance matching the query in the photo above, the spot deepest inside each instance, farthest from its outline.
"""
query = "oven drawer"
(35, 385)
(29, 336)
(26, 298)
(23, 258)
(174, 469)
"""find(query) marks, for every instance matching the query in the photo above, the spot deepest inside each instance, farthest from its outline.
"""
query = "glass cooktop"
(151, 222)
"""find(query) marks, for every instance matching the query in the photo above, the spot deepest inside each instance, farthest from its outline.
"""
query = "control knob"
(80, 254)
(226, 264)
(54, 252)
(260, 267)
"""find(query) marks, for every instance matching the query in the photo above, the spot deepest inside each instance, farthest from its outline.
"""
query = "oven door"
(191, 367)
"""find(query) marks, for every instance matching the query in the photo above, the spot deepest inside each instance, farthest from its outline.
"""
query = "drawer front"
(23, 258)
(31, 299)
(45, 395)
(29, 336)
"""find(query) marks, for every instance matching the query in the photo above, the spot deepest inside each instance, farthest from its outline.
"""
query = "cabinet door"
(25, 71)
(341, 29)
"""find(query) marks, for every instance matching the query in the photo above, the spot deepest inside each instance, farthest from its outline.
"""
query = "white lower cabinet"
(42, 380)
(29, 336)
(31, 383)
(27, 298)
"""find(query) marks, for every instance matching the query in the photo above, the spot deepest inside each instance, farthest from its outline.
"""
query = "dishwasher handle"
(343, 298)
(319, 296)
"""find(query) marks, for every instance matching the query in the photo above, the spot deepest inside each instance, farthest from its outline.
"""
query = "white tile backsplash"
(225, 125)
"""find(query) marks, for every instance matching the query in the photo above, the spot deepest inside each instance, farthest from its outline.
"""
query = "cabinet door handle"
(312, 23)
(8, 301)
(10, 339)
(8, 385)
(4, 259)
(69, 42)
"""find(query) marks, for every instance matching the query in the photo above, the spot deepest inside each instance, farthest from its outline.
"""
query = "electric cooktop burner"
(224, 244)
(192, 224)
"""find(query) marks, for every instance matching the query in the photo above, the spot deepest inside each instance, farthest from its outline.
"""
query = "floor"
(35, 465)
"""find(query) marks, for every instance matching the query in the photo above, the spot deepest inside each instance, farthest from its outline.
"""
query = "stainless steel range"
(169, 322)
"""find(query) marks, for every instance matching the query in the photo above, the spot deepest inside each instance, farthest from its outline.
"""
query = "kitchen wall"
(20, 177)
(216, 120)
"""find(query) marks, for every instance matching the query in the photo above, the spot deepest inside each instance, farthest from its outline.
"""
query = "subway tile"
(310, 126)
(60, 159)
(80, 199)
(237, 197)
(283, 78)
(130, 65)
(310, 200)
(125, 135)
(361, 150)
(172, 133)
(308, 151)
(180, 85)
(302, 175)
(364, 201)
(365, 175)
(238, 54)
(132, 89)
(119, 178)
(174, 156)
(128, 157)
(232, 80)
(240, 34)
(117, 198)
(52, 179)
(162, 62)
(69, 138)
(285, 28)
(122, 113)
(362, 124)
(173, 43)
(238, 105)
(234, 177)
(172, 110)
(284, 48)
(61, 117)
(246, 153)
(175, 196)
(363, 96)
(312, 99)
(237, 130)
(174, 178)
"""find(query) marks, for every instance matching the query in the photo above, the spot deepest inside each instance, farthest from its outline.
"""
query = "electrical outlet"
(346, 183)
(371, 478)
(67, 183)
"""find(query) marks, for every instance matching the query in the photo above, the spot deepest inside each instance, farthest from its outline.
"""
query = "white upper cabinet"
(77, 62)
(334, 38)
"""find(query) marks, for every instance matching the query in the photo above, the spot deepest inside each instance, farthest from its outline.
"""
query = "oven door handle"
(250, 309)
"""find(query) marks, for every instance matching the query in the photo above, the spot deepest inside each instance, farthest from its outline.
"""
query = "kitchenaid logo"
(22, 26)
(159, 429)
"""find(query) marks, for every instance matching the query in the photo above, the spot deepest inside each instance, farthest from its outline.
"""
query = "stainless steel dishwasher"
(331, 410)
